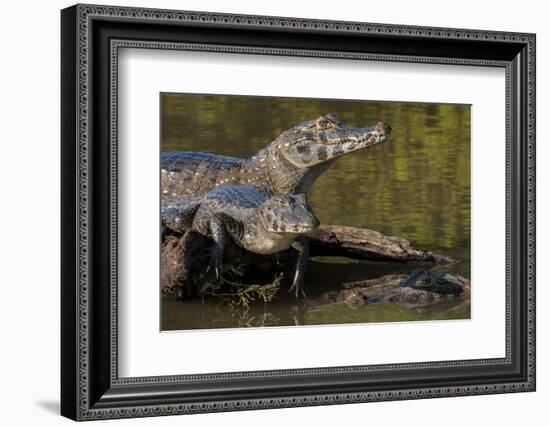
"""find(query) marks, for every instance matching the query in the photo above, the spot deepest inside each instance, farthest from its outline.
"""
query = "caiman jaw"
(353, 140)
(359, 139)
(293, 228)
(299, 228)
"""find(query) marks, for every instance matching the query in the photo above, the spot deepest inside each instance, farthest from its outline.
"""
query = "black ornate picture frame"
(90, 385)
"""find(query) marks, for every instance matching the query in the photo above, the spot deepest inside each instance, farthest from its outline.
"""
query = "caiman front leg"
(217, 231)
(302, 246)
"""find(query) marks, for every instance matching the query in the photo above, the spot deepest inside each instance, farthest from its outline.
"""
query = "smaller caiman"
(254, 220)
(288, 165)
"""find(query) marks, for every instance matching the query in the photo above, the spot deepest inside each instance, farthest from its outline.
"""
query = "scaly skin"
(288, 165)
(254, 220)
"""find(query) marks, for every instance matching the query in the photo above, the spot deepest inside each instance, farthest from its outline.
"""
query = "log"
(186, 268)
(366, 244)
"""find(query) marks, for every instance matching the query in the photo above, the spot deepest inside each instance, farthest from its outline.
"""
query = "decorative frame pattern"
(110, 396)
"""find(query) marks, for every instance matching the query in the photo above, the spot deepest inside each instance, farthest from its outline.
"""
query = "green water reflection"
(416, 186)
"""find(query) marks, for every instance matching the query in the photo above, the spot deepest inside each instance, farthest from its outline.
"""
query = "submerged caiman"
(288, 165)
(254, 220)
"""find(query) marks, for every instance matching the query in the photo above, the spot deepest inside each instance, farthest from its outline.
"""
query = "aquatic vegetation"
(236, 295)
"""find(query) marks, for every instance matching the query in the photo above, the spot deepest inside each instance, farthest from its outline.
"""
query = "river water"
(416, 186)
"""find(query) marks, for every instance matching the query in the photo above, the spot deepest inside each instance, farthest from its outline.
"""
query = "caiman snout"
(379, 133)
(383, 128)
(302, 221)
(382, 131)
(354, 139)
(308, 226)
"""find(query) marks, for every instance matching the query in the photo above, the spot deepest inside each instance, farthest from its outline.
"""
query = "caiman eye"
(323, 124)
(281, 202)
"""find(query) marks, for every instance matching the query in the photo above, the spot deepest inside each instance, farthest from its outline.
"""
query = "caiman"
(288, 165)
(254, 220)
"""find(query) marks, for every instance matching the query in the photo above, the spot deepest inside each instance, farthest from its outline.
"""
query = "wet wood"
(184, 259)
(366, 244)
(389, 289)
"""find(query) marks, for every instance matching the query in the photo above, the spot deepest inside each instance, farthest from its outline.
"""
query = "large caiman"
(288, 165)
